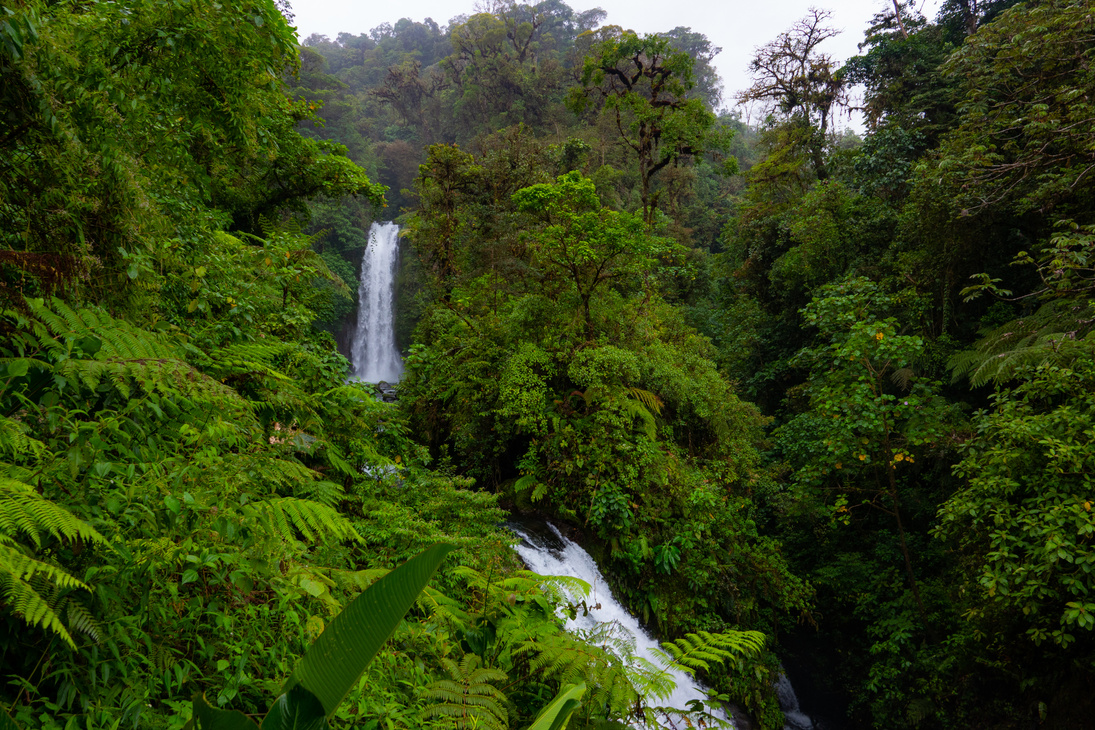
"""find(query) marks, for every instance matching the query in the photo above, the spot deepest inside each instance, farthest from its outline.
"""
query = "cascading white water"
(549, 554)
(793, 716)
(373, 353)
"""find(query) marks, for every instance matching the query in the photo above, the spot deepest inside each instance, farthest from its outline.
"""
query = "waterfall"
(373, 353)
(553, 554)
(793, 716)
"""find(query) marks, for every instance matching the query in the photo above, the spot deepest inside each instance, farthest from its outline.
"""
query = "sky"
(735, 26)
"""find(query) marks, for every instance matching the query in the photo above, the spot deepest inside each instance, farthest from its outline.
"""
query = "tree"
(1023, 146)
(582, 243)
(642, 83)
(449, 178)
(708, 85)
(869, 414)
(800, 85)
(121, 123)
(899, 67)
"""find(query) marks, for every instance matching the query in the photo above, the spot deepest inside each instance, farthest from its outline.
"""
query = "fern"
(1059, 332)
(440, 606)
(326, 493)
(468, 700)
(15, 443)
(24, 511)
(696, 652)
(281, 518)
(91, 347)
(22, 579)
(116, 339)
(249, 358)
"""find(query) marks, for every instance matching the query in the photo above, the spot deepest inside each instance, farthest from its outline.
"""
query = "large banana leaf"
(339, 656)
(558, 711)
(297, 709)
(207, 717)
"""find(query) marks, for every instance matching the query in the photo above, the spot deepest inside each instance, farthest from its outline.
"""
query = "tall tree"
(642, 83)
(798, 84)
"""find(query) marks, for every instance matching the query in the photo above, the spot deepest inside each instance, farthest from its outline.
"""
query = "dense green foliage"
(806, 395)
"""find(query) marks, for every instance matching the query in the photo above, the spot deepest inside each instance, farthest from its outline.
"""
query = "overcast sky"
(736, 26)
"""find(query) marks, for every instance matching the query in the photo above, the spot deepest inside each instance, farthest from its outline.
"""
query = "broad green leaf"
(558, 711)
(207, 717)
(297, 709)
(18, 368)
(339, 656)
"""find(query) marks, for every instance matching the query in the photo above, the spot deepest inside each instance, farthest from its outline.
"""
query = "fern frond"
(282, 517)
(1059, 332)
(694, 652)
(24, 511)
(80, 619)
(644, 405)
(117, 338)
(650, 400)
(250, 357)
(18, 574)
(325, 492)
(468, 700)
(439, 605)
(159, 550)
(15, 443)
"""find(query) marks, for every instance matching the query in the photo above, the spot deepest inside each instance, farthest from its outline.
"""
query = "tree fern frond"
(22, 567)
(159, 550)
(79, 619)
(439, 605)
(116, 338)
(1060, 331)
(359, 579)
(25, 602)
(250, 357)
(649, 400)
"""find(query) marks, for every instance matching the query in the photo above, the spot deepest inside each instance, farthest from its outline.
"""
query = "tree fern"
(1059, 331)
(14, 441)
(89, 347)
(322, 491)
(468, 700)
(565, 658)
(109, 338)
(249, 357)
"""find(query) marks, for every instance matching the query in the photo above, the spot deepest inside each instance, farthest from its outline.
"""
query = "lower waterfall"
(374, 356)
(551, 553)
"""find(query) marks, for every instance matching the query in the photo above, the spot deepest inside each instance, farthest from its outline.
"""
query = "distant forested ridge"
(837, 388)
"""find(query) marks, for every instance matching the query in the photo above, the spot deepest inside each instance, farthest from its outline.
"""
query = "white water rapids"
(373, 353)
(553, 554)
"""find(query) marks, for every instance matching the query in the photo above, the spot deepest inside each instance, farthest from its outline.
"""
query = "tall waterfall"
(373, 351)
(553, 554)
